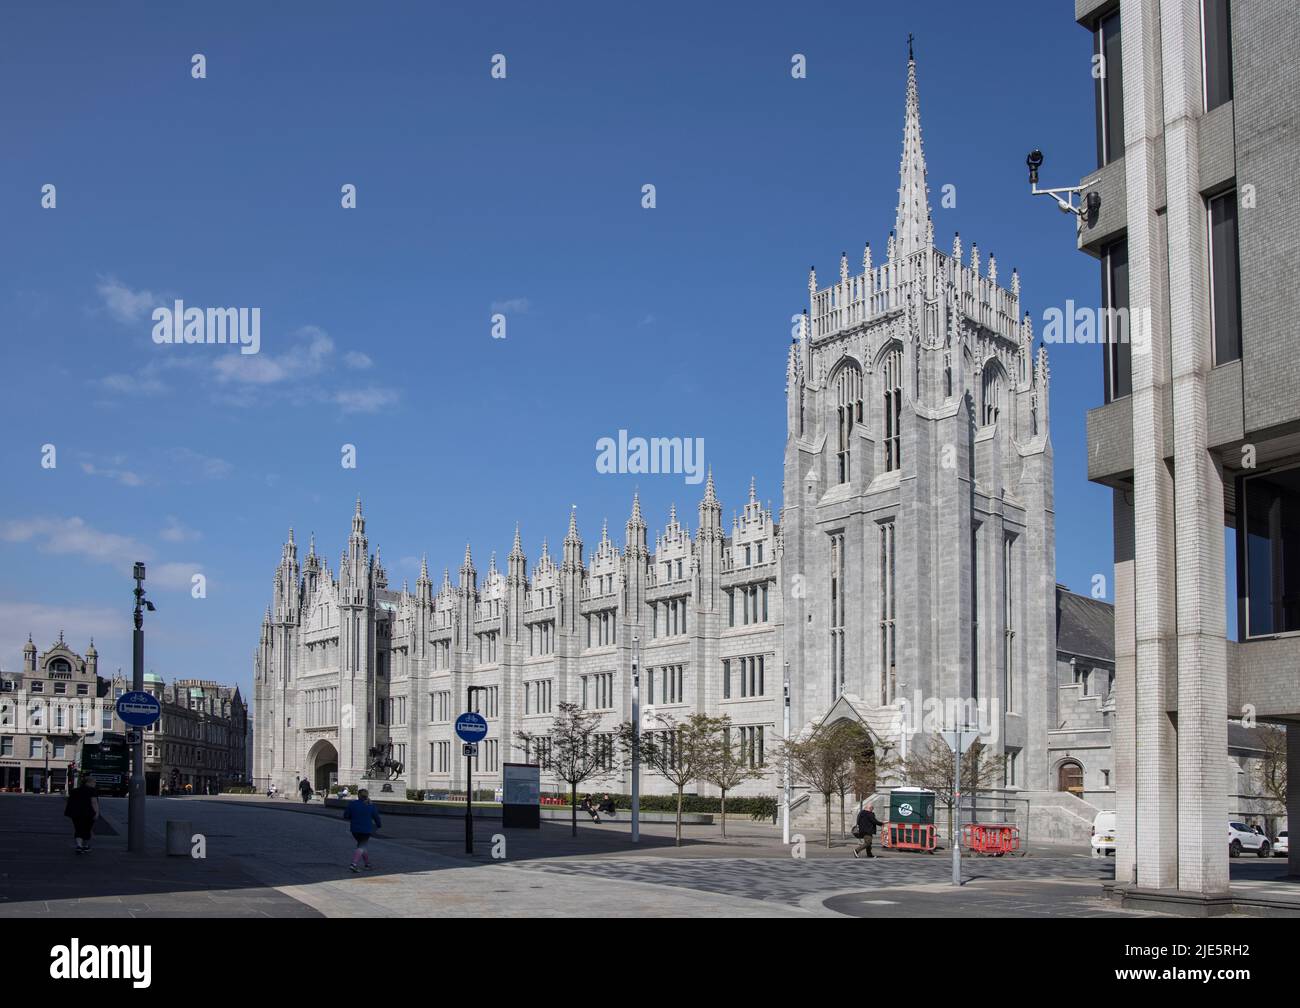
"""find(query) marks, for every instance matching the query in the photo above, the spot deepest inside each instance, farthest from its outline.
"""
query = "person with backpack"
(82, 807)
(865, 829)
(363, 819)
(305, 787)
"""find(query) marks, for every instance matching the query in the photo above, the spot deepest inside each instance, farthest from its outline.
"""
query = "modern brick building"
(1196, 227)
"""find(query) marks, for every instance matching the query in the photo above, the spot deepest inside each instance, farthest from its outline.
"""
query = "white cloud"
(44, 622)
(308, 357)
(124, 476)
(512, 306)
(124, 304)
(73, 537)
(65, 536)
(177, 531)
(200, 465)
(357, 360)
(367, 400)
(173, 575)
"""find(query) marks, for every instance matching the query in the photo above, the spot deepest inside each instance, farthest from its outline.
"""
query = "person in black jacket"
(865, 830)
(82, 808)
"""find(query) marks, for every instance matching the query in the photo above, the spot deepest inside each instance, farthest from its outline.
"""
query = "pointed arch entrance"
(322, 762)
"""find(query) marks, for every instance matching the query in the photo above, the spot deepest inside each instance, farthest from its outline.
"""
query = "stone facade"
(913, 561)
(200, 739)
(1205, 104)
(45, 709)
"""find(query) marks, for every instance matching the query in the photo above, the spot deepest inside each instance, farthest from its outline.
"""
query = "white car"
(1242, 838)
(1103, 834)
(1281, 847)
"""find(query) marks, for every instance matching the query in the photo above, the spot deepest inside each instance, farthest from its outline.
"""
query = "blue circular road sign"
(471, 727)
(138, 709)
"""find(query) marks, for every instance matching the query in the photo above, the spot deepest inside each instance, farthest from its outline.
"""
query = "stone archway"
(1069, 777)
(323, 760)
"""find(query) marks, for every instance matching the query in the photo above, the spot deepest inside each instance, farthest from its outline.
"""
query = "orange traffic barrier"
(908, 836)
(994, 839)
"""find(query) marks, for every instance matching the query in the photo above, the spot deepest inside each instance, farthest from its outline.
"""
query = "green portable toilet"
(911, 805)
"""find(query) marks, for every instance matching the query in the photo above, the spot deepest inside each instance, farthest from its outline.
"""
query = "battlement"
(877, 292)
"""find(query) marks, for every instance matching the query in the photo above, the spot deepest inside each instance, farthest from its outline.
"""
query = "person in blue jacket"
(363, 818)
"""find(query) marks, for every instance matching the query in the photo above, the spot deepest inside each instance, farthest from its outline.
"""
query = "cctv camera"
(1034, 161)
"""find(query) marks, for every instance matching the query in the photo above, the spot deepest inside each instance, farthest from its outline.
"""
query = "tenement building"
(45, 709)
(199, 743)
(1195, 224)
(912, 564)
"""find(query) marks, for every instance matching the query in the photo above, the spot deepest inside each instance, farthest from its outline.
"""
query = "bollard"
(178, 837)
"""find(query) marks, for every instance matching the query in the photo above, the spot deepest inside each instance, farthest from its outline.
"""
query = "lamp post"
(785, 763)
(135, 803)
(636, 739)
(469, 773)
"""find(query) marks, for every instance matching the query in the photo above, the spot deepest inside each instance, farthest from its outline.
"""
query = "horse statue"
(382, 765)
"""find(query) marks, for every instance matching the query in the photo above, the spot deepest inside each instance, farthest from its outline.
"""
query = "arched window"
(848, 412)
(991, 395)
(60, 665)
(892, 381)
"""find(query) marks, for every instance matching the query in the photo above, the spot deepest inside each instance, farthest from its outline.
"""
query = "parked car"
(1242, 838)
(1281, 846)
(1103, 834)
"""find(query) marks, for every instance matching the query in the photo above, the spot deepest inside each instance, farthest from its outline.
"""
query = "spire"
(424, 567)
(710, 492)
(752, 494)
(517, 550)
(311, 545)
(468, 563)
(913, 202)
(572, 535)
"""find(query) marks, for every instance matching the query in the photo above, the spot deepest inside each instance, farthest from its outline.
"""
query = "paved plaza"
(278, 858)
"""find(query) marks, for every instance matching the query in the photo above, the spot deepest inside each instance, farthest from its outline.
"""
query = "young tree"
(676, 751)
(730, 767)
(572, 750)
(849, 777)
(1270, 770)
(820, 761)
(932, 765)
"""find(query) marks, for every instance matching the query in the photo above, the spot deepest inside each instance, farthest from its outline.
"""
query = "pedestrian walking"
(305, 787)
(363, 820)
(865, 829)
(82, 807)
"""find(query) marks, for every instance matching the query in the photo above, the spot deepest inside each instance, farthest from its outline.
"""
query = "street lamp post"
(636, 739)
(469, 774)
(785, 763)
(135, 803)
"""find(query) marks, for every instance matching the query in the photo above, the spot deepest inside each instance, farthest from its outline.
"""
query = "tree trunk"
(827, 797)
(679, 814)
(843, 830)
(724, 812)
(573, 803)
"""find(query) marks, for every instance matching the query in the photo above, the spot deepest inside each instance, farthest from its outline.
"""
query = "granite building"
(1195, 227)
(913, 561)
(45, 709)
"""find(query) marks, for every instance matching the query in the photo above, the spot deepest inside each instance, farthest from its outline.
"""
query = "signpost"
(636, 738)
(135, 803)
(958, 741)
(521, 793)
(138, 709)
(471, 728)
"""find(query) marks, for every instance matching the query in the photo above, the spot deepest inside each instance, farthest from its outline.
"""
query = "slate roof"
(1085, 626)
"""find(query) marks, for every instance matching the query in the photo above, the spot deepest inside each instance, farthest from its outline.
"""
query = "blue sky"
(473, 194)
